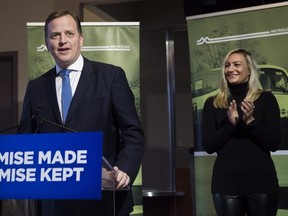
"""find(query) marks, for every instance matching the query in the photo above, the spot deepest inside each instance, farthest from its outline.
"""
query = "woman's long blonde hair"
(254, 85)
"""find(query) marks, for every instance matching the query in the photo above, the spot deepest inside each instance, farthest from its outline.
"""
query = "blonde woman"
(242, 125)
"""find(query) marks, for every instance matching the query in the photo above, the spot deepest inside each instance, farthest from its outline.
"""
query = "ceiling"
(127, 10)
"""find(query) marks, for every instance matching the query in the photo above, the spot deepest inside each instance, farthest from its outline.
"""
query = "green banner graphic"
(114, 43)
(263, 31)
(110, 42)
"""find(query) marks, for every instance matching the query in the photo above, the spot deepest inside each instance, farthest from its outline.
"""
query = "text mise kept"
(51, 166)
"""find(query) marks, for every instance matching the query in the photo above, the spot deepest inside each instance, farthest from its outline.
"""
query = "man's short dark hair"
(60, 13)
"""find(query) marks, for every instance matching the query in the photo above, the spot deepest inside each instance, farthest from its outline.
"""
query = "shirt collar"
(76, 66)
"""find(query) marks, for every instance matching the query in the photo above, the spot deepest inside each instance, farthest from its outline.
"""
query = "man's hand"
(121, 178)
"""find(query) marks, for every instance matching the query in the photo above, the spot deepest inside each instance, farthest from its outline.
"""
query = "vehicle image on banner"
(273, 78)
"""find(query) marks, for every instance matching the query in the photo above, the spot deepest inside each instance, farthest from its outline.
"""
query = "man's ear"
(81, 40)
(47, 46)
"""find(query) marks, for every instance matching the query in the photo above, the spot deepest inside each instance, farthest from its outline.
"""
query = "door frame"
(13, 57)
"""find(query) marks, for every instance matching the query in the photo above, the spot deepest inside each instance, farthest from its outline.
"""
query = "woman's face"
(236, 69)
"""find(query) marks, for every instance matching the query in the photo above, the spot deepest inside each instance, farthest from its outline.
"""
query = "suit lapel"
(87, 76)
(51, 93)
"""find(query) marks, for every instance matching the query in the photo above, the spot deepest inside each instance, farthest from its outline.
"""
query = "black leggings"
(250, 205)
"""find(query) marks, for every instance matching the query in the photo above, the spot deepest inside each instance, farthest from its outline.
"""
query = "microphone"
(29, 120)
(8, 129)
(42, 119)
(106, 166)
(38, 109)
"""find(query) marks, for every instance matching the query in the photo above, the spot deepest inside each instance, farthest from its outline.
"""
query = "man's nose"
(62, 39)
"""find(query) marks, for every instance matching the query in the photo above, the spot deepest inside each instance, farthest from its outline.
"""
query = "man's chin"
(63, 62)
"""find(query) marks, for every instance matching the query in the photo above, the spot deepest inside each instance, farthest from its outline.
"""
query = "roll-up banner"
(110, 42)
(263, 31)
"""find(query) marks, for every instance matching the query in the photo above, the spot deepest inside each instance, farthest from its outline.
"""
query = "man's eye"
(53, 36)
(70, 34)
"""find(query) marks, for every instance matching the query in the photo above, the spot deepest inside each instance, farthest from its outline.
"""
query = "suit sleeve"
(131, 148)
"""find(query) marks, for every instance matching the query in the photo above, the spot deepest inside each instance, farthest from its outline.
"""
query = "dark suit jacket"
(104, 102)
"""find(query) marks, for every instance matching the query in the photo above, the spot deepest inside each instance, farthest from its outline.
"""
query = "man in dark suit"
(101, 101)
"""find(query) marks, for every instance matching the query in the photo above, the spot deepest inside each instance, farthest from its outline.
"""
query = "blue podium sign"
(51, 166)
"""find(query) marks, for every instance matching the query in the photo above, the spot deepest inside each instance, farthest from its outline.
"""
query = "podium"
(63, 172)
(47, 207)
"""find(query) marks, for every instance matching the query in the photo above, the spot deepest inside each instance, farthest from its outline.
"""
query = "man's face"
(64, 41)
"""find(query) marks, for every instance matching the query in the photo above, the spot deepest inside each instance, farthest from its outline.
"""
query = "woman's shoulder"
(267, 96)
(209, 101)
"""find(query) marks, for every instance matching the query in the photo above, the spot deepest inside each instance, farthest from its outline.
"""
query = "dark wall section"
(197, 7)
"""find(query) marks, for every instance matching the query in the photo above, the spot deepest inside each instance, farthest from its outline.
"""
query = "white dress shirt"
(74, 75)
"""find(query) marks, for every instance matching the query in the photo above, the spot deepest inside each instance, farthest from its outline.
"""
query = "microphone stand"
(8, 129)
(26, 122)
(36, 205)
(44, 119)
(20, 126)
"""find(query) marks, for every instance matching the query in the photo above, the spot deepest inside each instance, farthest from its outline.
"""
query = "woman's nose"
(231, 67)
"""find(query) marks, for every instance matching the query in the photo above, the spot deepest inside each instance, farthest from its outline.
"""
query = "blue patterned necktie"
(66, 92)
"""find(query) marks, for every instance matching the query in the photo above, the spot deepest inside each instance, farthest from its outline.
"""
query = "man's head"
(63, 37)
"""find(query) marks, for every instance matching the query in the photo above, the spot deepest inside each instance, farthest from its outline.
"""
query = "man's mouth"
(61, 50)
